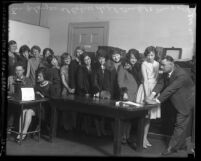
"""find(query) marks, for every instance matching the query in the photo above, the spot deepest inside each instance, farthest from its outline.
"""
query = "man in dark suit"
(176, 85)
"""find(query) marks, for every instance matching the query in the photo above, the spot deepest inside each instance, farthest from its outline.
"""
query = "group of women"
(114, 76)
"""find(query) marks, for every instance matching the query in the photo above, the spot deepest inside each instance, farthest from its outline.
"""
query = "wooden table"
(101, 107)
(19, 103)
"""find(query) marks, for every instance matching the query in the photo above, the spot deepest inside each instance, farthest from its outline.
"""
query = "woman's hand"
(37, 92)
(71, 91)
(125, 96)
(97, 94)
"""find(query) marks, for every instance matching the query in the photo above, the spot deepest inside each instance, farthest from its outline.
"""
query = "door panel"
(88, 35)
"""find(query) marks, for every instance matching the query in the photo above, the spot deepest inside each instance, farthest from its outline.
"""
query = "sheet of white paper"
(129, 103)
(28, 94)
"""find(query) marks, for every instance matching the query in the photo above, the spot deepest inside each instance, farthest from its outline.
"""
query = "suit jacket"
(179, 88)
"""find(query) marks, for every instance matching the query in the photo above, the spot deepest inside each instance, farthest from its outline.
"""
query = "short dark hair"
(78, 48)
(64, 56)
(23, 49)
(36, 48)
(49, 59)
(20, 64)
(83, 56)
(11, 42)
(43, 71)
(168, 58)
(48, 49)
(149, 49)
(134, 52)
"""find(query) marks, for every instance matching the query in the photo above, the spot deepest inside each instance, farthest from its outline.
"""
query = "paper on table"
(28, 94)
(129, 103)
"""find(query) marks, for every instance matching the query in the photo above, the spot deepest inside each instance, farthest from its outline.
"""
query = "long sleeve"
(160, 84)
(28, 69)
(172, 88)
(10, 85)
(120, 77)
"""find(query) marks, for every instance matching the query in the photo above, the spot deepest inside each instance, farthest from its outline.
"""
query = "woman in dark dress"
(53, 75)
(85, 77)
(85, 86)
(43, 90)
(46, 53)
(102, 84)
(133, 56)
(73, 68)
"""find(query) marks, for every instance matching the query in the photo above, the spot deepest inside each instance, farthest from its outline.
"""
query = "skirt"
(154, 112)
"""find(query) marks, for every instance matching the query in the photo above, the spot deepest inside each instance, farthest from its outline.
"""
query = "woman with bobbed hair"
(134, 58)
(150, 70)
(46, 53)
(53, 75)
(73, 68)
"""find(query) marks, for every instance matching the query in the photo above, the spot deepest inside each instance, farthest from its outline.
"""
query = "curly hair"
(133, 52)
(78, 48)
(64, 56)
(49, 59)
(36, 48)
(43, 71)
(11, 42)
(23, 49)
(48, 49)
(149, 49)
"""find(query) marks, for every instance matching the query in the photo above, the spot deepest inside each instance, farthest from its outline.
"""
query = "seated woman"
(15, 83)
(129, 88)
(43, 90)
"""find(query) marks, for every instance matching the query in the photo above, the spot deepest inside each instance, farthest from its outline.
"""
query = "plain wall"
(130, 25)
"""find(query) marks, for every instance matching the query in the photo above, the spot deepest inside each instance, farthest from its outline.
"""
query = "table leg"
(117, 137)
(140, 133)
(53, 123)
(21, 132)
(39, 126)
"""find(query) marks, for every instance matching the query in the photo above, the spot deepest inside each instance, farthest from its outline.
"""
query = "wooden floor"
(79, 144)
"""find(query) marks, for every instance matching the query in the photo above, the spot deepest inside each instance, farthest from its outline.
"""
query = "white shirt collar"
(169, 74)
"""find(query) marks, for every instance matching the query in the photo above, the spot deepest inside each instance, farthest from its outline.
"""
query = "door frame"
(72, 26)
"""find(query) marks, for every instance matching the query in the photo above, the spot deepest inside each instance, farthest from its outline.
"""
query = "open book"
(129, 103)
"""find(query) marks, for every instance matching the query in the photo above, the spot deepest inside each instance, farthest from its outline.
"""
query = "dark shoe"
(168, 152)
(133, 145)
(124, 141)
(23, 138)
(191, 152)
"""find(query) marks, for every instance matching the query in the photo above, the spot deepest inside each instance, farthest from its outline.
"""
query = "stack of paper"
(129, 103)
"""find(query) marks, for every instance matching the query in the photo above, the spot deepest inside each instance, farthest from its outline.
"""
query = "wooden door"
(89, 35)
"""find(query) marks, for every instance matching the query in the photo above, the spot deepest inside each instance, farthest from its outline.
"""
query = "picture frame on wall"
(176, 53)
